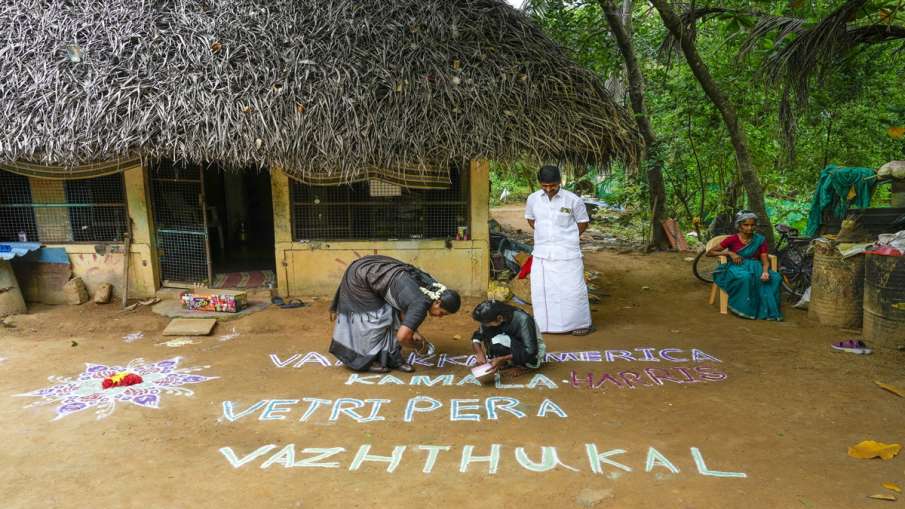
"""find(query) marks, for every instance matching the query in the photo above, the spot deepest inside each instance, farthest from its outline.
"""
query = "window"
(377, 210)
(58, 211)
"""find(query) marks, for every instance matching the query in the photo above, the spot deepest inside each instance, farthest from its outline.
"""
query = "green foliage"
(517, 179)
(845, 120)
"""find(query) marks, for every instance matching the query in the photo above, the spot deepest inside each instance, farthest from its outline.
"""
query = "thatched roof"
(319, 87)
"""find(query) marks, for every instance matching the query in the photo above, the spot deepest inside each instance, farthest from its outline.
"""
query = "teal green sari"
(749, 297)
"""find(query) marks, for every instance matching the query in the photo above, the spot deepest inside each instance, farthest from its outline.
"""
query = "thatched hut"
(227, 135)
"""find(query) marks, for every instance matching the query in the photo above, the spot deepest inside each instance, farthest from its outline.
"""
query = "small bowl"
(483, 372)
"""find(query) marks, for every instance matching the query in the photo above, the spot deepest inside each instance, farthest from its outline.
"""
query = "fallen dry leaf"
(457, 337)
(891, 388)
(871, 449)
(883, 496)
(892, 486)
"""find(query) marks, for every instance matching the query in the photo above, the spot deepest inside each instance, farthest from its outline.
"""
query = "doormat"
(249, 279)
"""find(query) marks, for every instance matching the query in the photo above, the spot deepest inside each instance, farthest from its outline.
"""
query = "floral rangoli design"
(87, 391)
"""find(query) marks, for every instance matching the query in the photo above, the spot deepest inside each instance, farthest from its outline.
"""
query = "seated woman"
(752, 287)
(508, 336)
(379, 304)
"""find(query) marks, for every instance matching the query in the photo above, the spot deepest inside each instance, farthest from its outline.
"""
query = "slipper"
(855, 346)
(584, 332)
(293, 303)
(277, 300)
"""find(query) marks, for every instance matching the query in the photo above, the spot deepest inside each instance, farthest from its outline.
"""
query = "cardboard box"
(220, 301)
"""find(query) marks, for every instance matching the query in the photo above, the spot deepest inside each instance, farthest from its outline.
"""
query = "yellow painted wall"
(103, 262)
(315, 268)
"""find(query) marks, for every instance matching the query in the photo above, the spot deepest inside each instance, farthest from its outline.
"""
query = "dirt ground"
(770, 401)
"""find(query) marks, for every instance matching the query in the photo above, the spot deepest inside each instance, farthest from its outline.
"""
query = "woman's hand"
(499, 361)
(480, 358)
(736, 259)
(765, 276)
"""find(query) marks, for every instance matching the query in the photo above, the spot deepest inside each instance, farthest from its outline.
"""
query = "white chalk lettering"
(656, 459)
(612, 355)
(548, 460)
(390, 380)
(299, 360)
(375, 410)
(392, 460)
(319, 454)
(314, 404)
(230, 456)
(285, 457)
(597, 459)
(273, 410)
(469, 379)
(601, 462)
(457, 360)
(503, 404)
(412, 406)
(280, 363)
(703, 470)
(347, 406)
(230, 414)
(432, 452)
(456, 406)
(468, 458)
(648, 356)
(549, 406)
(699, 356)
(539, 379)
(428, 381)
(313, 357)
(665, 354)
(416, 360)
(355, 378)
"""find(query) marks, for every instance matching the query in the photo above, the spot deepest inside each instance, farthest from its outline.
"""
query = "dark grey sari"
(372, 294)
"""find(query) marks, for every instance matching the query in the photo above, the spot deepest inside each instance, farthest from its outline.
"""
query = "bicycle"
(795, 260)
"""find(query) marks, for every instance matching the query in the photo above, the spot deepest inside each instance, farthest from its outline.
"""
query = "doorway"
(240, 228)
(214, 226)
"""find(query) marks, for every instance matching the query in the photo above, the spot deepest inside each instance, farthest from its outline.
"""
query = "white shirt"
(556, 224)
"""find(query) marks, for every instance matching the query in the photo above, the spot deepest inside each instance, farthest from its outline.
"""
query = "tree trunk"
(746, 169)
(653, 162)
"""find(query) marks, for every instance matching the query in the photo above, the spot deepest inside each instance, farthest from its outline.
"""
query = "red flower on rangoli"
(121, 379)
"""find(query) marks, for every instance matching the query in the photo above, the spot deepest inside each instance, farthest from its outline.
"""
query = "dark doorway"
(240, 227)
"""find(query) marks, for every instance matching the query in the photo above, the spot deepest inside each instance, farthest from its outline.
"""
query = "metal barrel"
(884, 300)
(837, 287)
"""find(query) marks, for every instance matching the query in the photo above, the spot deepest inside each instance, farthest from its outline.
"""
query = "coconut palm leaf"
(325, 89)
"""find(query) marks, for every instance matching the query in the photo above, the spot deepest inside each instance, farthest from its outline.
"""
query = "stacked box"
(221, 301)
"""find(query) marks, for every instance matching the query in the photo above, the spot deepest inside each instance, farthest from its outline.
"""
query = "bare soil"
(784, 415)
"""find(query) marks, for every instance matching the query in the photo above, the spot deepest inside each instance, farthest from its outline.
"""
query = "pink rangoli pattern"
(85, 391)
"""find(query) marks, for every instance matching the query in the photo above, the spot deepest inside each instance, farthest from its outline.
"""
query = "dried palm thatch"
(322, 88)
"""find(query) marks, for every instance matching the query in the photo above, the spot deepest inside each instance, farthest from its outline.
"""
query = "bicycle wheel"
(795, 268)
(704, 266)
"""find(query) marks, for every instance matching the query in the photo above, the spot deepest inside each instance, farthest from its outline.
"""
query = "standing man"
(559, 295)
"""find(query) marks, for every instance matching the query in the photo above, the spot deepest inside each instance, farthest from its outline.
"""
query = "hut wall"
(315, 268)
(98, 263)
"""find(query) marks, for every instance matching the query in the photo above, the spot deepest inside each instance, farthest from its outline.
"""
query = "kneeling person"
(379, 304)
(508, 336)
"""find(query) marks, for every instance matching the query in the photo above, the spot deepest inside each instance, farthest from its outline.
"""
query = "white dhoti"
(559, 295)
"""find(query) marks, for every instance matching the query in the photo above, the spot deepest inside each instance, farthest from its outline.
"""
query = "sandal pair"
(855, 346)
(290, 304)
